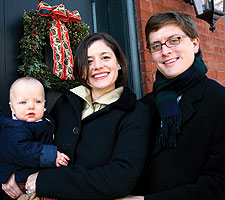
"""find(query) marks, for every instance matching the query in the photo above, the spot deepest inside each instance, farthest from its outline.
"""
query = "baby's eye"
(37, 101)
(23, 102)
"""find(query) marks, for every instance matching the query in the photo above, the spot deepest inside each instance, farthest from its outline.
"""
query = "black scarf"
(166, 92)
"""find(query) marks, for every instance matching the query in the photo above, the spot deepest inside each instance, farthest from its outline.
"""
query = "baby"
(26, 134)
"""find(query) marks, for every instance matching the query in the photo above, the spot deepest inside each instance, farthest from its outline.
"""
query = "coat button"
(75, 130)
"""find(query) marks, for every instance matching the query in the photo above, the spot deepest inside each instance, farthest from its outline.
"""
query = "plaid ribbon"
(23, 189)
(59, 37)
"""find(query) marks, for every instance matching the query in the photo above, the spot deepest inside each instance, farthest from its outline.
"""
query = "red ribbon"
(59, 37)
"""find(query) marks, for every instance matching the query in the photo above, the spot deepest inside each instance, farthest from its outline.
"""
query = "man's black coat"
(195, 169)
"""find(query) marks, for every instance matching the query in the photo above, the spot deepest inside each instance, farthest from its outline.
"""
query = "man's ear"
(196, 44)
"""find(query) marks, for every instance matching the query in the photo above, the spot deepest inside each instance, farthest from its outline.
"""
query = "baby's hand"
(62, 159)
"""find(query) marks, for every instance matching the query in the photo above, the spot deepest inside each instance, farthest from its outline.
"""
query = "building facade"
(212, 43)
(123, 19)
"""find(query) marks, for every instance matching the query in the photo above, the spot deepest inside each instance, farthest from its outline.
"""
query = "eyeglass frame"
(161, 44)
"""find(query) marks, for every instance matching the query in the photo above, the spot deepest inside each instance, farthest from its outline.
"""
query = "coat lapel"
(76, 103)
(190, 97)
(155, 150)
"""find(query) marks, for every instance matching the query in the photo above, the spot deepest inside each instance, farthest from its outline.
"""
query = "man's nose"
(165, 50)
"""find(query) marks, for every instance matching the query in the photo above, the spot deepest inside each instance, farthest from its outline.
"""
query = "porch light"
(208, 10)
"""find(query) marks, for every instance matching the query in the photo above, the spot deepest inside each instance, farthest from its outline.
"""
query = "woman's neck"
(95, 94)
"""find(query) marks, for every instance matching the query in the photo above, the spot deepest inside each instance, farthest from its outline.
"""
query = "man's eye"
(173, 40)
(155, 46)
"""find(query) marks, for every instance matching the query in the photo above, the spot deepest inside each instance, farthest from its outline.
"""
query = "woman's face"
(173, 61)
(103, 68)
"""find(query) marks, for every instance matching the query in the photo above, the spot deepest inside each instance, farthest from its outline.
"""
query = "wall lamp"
(208, 10)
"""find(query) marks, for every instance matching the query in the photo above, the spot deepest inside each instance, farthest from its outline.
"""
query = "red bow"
(59, 37)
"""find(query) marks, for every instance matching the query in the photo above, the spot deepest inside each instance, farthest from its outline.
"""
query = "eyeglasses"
(171, 42)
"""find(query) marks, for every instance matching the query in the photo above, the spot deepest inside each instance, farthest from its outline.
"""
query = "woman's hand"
(11, 188)
(132, 198)
(31, 183)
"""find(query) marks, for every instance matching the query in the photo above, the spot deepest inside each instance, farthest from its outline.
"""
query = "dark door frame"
(118, 18)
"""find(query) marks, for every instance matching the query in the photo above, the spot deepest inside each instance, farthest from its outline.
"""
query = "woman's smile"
(103, 68)
(100, 75)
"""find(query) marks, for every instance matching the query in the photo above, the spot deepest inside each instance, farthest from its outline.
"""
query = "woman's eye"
(106, 57)
(90, 61)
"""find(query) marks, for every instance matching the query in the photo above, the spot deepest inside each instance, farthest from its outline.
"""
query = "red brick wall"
(212, 44)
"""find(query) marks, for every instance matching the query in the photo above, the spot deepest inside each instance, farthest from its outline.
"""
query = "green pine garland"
(36, 34)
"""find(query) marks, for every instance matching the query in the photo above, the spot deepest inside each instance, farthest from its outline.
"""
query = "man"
(186, 160)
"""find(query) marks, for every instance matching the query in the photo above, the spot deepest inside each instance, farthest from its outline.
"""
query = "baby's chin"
(31, 120)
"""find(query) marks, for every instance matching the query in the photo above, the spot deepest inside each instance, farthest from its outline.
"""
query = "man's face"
(173, 61)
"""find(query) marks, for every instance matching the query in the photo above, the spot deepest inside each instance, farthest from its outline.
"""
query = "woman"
(100, 125)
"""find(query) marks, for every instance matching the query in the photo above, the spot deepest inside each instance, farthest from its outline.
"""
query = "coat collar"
(127, 101)
(189, 98)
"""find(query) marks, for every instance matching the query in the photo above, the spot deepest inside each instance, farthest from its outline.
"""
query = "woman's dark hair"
(182, 20)
(81, 58)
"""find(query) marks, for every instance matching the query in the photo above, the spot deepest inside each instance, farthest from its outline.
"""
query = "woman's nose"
(97, 64)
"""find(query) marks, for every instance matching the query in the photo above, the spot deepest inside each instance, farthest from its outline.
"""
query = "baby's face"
(27, 102)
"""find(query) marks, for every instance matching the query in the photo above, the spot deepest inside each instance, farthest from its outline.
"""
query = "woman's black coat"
(107, 149)
(195, 170)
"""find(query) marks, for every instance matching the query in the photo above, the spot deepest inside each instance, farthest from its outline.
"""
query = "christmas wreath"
(65, 30)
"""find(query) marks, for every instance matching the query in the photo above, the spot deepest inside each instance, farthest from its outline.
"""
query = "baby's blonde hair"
(27, 80)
